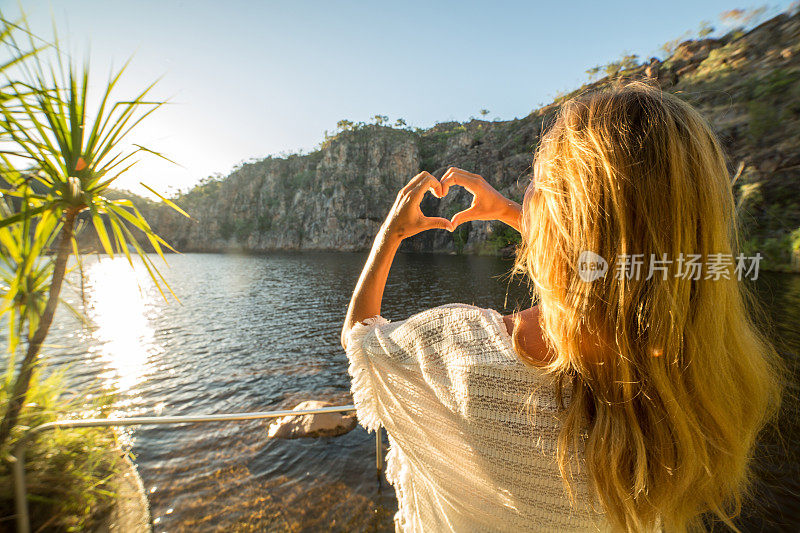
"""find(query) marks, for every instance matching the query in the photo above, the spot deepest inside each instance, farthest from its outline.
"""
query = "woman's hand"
(487, 203)
(405, 219)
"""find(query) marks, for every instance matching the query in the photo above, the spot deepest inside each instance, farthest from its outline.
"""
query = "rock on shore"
(316, 425)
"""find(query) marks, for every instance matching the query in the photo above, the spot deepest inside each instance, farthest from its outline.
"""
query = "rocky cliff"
(746, 83)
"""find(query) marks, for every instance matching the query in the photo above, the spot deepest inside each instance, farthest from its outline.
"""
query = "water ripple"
(262, 332)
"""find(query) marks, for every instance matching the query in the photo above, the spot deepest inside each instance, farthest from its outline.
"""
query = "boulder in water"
(316, 425)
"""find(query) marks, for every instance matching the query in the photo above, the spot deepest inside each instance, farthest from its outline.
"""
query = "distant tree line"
(736, 21)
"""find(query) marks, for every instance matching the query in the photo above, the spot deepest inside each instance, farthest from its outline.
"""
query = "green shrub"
(776, 252)
(775, 83)
(460, 237)
(226, 228)
(264, 222)
(243, 228)
(762, 119)
(304, 179)
(504, 235)
(795, 240)
(69, 471)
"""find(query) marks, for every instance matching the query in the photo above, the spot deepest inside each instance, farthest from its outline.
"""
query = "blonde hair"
(670, 380)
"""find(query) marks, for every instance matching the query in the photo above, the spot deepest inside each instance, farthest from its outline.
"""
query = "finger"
(455, 176)
(439, 223)
(416, 180)
(468, 215)
(448, 180)
(465, 173)
(427, 183)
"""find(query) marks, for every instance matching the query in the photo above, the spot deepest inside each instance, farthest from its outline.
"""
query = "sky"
(248, 79)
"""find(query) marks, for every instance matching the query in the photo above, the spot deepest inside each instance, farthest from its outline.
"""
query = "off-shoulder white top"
(472, 430)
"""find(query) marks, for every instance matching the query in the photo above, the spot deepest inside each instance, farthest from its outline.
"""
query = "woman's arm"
(404, 220)
(368, 294)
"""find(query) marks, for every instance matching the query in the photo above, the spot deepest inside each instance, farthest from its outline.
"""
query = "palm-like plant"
(24, 272)
(73, 157)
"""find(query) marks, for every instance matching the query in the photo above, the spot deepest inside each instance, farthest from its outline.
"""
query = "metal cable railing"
(20, 490)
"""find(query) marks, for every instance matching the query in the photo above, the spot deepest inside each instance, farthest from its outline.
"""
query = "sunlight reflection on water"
(263, 332)
(119, 298)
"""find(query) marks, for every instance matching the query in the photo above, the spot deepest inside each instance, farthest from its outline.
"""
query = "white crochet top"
(472, 430)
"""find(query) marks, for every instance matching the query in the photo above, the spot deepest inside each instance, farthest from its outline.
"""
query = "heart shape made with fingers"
(459, 202)
(480, 207)
(406, 216)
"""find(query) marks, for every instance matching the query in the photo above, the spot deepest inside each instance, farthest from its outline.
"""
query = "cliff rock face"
(335, 198)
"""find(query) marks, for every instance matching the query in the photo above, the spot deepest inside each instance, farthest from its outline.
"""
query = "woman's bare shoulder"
(529, 342)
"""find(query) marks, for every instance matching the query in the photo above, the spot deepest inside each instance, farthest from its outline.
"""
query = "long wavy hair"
(670, 380)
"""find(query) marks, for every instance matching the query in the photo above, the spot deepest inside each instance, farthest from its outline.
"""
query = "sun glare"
(118, 298)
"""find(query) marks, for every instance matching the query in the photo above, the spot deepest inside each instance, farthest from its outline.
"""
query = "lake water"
(258, 333)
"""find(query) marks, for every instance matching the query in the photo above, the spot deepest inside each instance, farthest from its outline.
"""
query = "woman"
(631, 396)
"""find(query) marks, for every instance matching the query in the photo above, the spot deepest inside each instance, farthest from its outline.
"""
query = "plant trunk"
(20, 389)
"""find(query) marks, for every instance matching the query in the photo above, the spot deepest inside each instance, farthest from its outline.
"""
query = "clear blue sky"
(252, 78)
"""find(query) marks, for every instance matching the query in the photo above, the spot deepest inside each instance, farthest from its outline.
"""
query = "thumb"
(440, 223)
(461, 217)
